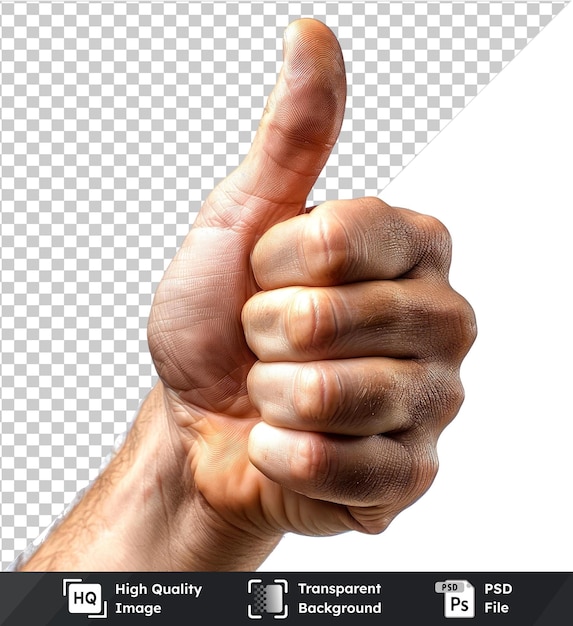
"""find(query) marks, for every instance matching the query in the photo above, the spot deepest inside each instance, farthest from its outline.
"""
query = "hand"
(309, 360)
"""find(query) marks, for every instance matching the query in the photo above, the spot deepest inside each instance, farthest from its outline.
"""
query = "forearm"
(144, 513)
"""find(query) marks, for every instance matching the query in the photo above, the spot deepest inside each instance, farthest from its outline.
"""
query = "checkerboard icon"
(267, 599)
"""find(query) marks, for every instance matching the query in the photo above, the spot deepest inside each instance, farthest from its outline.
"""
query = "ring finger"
(360, 397)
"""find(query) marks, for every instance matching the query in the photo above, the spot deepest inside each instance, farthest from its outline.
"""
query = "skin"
(308, 360)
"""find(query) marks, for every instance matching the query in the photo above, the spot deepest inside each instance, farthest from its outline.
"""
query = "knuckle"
(454, 398)
(311, 325)
(424, 466)
(314, 464)
(255, 308)
(414, 471)
(326, 248)
(411, 479)
(468, 324)
(436, 243)
(249, 317)
(459, 320)
(454, 325)
(317, 395)
(432, 401)
(447, 398)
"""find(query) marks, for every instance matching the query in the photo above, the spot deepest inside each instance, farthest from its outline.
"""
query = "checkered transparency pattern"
(116, 120)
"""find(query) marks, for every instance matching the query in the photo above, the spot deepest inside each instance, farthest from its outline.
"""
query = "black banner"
(345, 598)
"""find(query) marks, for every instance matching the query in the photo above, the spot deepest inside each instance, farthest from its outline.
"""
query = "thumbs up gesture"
(308, 359)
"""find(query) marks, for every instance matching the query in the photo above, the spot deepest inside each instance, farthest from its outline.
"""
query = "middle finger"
(397, 319)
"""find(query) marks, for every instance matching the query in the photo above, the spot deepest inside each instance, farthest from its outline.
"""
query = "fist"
(308, 359)
(359, 339)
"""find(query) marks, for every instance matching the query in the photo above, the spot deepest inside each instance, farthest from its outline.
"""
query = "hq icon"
(85, 598)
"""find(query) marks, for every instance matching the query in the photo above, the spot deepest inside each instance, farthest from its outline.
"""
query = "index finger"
(344, 241)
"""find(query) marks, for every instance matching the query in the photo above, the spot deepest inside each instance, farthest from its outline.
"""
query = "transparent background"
(116, 120)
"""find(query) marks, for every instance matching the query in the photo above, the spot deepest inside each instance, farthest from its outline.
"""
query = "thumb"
(298, 129)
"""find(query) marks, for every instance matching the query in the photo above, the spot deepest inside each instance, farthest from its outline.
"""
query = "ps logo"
(459, 598)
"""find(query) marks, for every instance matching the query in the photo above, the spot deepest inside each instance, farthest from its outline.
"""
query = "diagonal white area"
(500, 178)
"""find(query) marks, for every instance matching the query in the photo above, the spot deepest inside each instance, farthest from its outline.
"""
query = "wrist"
(144, 512)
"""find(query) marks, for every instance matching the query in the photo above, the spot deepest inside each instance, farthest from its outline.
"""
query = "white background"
(500, 177)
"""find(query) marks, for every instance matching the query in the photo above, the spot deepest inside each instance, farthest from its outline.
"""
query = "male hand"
(308, 360)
